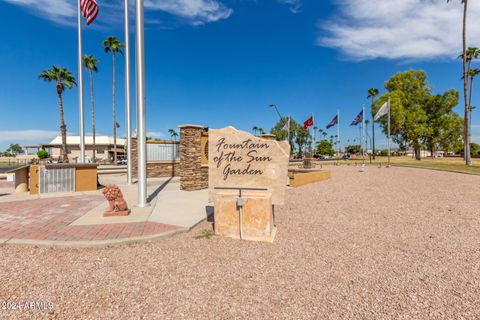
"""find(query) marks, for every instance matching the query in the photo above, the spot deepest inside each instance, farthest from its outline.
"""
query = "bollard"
(240, 204)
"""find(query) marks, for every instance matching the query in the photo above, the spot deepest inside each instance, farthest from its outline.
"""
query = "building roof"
(99, 140)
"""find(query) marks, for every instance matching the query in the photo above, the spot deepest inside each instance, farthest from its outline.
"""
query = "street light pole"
(273, 105)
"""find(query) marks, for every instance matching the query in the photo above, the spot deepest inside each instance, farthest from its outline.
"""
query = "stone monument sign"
(238, 159)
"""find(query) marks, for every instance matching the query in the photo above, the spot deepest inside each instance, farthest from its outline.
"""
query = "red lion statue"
(118, 205)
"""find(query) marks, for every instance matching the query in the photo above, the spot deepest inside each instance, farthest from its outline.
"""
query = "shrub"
(42, 154)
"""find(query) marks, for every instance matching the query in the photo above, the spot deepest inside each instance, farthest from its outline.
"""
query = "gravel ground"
(394, 243)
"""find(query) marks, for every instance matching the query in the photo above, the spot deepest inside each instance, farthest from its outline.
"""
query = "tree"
(281, 134)
(42, 154)
(472, 54)
(302, 138)
(465, 83)
(372, 93)
(438, 109)
(255, 130)
(325, 147)
(472, 73)
(113, 45)
(173, 134)
(323, 133)
(90, 63)
(475, 148)
(353, 149)
(261, 131)
(414, 110)
(62, 79)
(15, 149)
(450, 139)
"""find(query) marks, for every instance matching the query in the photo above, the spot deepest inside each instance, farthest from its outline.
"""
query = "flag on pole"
(333, 122)
(385, 109)
(89, 10)
(358, 119)
(308, 123)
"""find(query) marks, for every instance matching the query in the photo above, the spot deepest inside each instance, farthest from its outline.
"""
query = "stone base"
(302, 177)
(270, 238)
(257, 221)
(116, 213)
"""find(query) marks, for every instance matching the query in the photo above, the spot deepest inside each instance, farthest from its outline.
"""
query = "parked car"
(346, 156)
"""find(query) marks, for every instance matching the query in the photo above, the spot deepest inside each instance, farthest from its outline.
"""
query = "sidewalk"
(76, 220)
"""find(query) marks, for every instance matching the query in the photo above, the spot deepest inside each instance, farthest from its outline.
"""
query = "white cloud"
(295, 5)
(55, 11)
(405, 30)
(23, 137)
(64, 11)
(196, 11)
(151, 134)
(155, 134)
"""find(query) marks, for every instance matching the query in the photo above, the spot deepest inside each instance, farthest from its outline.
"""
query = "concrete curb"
(93, 243)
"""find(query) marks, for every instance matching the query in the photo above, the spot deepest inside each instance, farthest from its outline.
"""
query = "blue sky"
(221, 62)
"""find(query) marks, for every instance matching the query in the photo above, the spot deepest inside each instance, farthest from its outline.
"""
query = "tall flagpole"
(128, 111)
(141, 117)
(312, 152)
(363, 133)
(338, 134)
(288, 133)
(80, 87)
(389, 132)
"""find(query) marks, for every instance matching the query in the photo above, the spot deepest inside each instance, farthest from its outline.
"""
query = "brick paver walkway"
(7, 184)
(50, 219)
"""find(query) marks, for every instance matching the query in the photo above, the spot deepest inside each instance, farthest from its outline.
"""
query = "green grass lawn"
(447, 164)
(12, 163)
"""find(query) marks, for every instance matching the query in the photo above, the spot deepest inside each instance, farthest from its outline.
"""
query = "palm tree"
(472, 73)
(372, 93)
(90, 63)
(465, 85)
(63, 79)
(255, 129)
(323, 133)
(173, 134)
(113, 45)
(261, 131)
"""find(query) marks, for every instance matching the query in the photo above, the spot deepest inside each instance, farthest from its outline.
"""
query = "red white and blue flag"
(357, 119)
(333, 122)
(89, 10)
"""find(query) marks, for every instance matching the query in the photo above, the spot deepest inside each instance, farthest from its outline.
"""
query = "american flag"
(357, 119)
(89, 10)
(333, 122)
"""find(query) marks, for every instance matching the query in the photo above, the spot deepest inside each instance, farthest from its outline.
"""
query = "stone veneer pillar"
(193, 176)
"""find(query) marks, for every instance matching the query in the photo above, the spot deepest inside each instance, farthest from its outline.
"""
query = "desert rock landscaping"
(396, 243)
